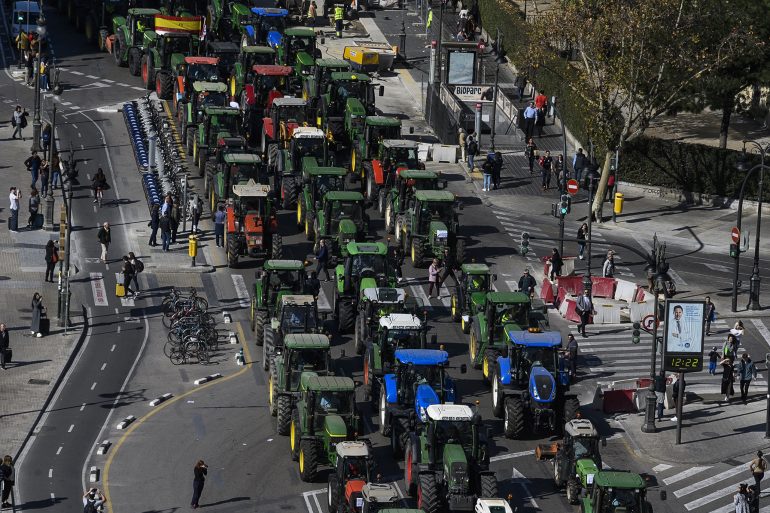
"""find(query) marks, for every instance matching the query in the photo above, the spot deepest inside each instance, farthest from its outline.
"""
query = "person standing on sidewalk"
(322, 260)
(713, 360)
(521, 84)
(746, 372)
(138, 267)
(585, 309)
(19, 122)
(13, 220)
(51, 258)
(497, 170)
(196, 209)
(45, 173)
(579, 163)
(34, 207)
(753, 499)
(199, 478)
(582, 235)
(311, 14)
(37, 315)
(678, 382)
(728, 378)
(556, 263)
(219, 226)
(572, 354)
(530, 117)
(486, 169)
(531, 153)
(165, 231)
(758, 467)
(5, 344)
(462, 141)
(9, 479)
(33, 166)
(710, 313)
(660, 393)
(473, 150)
(153, 224)
(105, 238)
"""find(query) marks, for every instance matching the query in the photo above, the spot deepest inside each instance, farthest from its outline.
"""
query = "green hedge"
(687, 167)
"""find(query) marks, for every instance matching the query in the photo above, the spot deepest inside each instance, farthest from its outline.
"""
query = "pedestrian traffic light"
(565, 204)
(734, 251)
(524, 247)
(635, 336)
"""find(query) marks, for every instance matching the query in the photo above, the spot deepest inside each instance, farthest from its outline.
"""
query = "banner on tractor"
(174, 24)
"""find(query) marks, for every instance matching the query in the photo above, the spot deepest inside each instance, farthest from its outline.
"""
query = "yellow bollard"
(192, 248)
(618, 203)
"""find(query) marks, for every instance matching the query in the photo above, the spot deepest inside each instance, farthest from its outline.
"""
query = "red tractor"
(268, 83)
(350, 484)
(252, 225)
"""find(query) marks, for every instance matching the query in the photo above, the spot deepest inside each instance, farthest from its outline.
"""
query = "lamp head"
(743, 164)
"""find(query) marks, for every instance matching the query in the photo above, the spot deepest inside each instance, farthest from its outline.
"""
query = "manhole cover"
(39, 382)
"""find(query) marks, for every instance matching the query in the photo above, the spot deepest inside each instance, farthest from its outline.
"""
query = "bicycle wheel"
(210, 337)
(169, 347)
(177, 356)
(203, 354)
(201, 303)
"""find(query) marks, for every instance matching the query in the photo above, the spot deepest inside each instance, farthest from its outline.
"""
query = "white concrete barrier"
(637, 311)
(606, 313)
(625, 291)
(444, 153)
(423, 151)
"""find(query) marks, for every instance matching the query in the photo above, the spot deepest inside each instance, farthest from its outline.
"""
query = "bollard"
(618, 208)
(192, 248)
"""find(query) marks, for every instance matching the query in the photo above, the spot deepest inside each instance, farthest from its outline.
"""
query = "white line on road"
(697, 503)
(93, 77)
(118, 329)
(241, 290)
(93, 386)
(677, 279)
(77, 73)
(509, 456)
(113, 346)
(58, 451)
(104, 365)
(82, 406)
(79, 135)
(683, 475)
(72, 426)
(138, 88)
(323, 302)
(53, 497)
(50, 473)
(719, 478)
(124, 85)
(108, 81)
(762, 329)
(522, 481)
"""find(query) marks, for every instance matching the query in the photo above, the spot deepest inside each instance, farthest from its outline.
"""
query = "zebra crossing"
(705, 489)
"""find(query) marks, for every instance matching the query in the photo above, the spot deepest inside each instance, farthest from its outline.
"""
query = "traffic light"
(635, 337)
(565, 204)
(734, 251)
(555, 210)
(524, 247)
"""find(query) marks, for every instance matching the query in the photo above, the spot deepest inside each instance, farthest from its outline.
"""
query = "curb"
(123, 424)
(161, 399)
(208, 378)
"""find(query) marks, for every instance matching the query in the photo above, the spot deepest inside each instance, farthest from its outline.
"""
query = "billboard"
(462, 67)
(683, 336)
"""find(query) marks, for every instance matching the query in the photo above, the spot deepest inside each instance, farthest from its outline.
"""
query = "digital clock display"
(683, 362)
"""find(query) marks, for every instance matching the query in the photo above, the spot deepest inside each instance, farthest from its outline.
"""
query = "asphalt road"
(121, 366)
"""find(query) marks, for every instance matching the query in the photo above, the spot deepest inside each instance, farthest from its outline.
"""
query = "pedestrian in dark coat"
(4, 344)
(727, 378)
(680, 382)
(9, 479)
(527, 283)
(753, 498)
(497, 170)
(45, 174)
(165, 231)
(37, 314)
(154, 224)
(33, 164)
(51, 258)
(128, 274)
(199, 478)
(540, 122)
(34, 207)
(174, 222)
(582, 235)
(546, 163)
(746, 372)
(660, 393)
(531, 153)
(585, 308)
(219, 225)
(322, 260)
(556, 263)
(572, 354)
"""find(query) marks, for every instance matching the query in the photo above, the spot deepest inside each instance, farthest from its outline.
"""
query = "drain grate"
(34, 381)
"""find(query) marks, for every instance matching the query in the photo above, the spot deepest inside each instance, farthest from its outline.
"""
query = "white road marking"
(66, 103)
(124, 85)
(93, 386)
(683, 475)
(97, 288)
(92, 77)
(719, 478)
(72, 426)
(77, 73)
(79, 135)
(323, 302)
(118, 332)
(697, 503)
(113, 346)
(53, 497)
(509, 456)
(522, 481)
(762, 329)
(677, 279)
(50, 473)
(104, 366)
(138, 88)
(717, 267)
(58, 451)
(241, 290)
(108, 81)
(82, 406)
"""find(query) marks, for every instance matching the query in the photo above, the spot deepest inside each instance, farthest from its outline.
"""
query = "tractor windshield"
(202, 73)
(404, 156)
(211, 100)
(512, 314)
(308, 147)
(543, 356)
(332, 402)
(478, 282)
(294, 113)
(454, 432)
(585, 447)
(253, 205)
(326, 183)
(436, 211)
(303, 360)
(300, 44)
(272, 24)
(297, 319)
(621, 500)
(345, 210)
(181, 45)
(255, 58)
(374, 262)
(404, 339)
(379, 133)
(222, 123)
(351, 89)
(241, 173)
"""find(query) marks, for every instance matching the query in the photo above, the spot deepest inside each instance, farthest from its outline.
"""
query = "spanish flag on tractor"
(174, 24)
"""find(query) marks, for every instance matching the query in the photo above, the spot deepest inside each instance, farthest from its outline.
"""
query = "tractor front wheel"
(272, 393)
(294, 435)
(459, 251)
(573, 491)
(513, 421)
(116, 53)
(345, 316)
(455, 308)
(267, 347)
(388, 214)
(488, 485)
(498, 395)
(384, 418)
(409, 476)
(148, 75)
(333, 494)
(276, 247)
(418, 252)
(232, 250)
(428, 498)
(308, 460)
(309, 224)
(164, 84)
(488, 365)
(283, 415)
(134, 62)
(288, 192)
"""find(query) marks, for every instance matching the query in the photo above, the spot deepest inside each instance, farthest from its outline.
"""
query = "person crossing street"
(585, 308)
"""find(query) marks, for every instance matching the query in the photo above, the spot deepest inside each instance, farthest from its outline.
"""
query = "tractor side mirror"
(463, 369)
(323, 40)
(342, 353)
(604, 442)
(443, 184)
(663, 495)
(411, 129)
(382, 90)
(433, 339)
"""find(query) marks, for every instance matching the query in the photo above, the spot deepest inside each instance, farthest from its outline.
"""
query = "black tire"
(498, 395)
(358, 338)
(276, 247)
(410, 477)
(308, 460)
(267, 348)
(164, 86)
(383, 413)
(428, 498)
(513, 420)
(488, 486)
(283, 415)
(397, 439)
(259, 328)
(454, 308)
(148, 73)
(232, 250)
(346, 316)
(390, 218)
(488, 365)
(134, 62)
(370, 189)
(459, 251)
(332, 494)
(288, 192)
(190, 141)
(417, 253)
(571, 409)
(116, 54)
(294, 435)
(382, 199)
(573, 491)
(309, 224)
(209, 170)
(273, 395)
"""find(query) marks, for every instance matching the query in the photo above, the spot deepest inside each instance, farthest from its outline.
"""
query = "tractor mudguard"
(377, 171)
(269, 128)
(504, 367)
(340, 274)
(274, 39)
(424, 396)
(250, 31)
(251, 98)
(586, 470)
(230, 220)
(180, 88)
(542, 385)
(391, 388)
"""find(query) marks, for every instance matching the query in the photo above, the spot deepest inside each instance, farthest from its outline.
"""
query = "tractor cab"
(244, 167)
(250, 220)
(370, 131)
(617, 492)
(306, 143)
(400, 154)
(399, 331)
(534, 358)
(419, 379)
(242, 71)
(220, 122)
(286, 114)
(506, 314)
(266, 26)
(345, 86)
(451, 425)
(298, 49)
(581, 442)
(317, 79)
(191, 102)
(302, 352)
(342, 219)
(295, 314)
(200, 69)
(321, 180)
(268, 82)
(170, 44)
(408, 181)
(350, 490)
(227, 54)
(138, 21)
(367, 260)
(282, 277)
(435, 209)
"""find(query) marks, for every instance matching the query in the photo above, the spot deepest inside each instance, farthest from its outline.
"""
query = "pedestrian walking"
(659, 385)
(540, 121)
(585, 309)
(531, 153)
(572, 355)
(556, 264)
(497, 170)
(33, 166)
(710, 314)
(746, 372)
(13, 219)
(753, 499)
(311, 14)
(138, 267)
(105, 238)
(527, 283)
(5, 345)
(579, 163)
(19, 122)
(462, 142)
(34, 206)
(8, 474)
(740, 500)
(199, 478)
(196, 209)
(758, 467)
(433, 274)
(728, 378)
(29, 68)
(56, 172)
(397, 259)
(154, 224)
(678, 382)
(530, 117)
(541, 100)
(128, 274)
(730, 348)
(51, 258)
(165, 231)
(173, 221)
(339, 16)
(713, 360)
(473, 150)
(582, 235)
(737, 331)
(93, 501)
(168, 203)
(546, 163)
(37, 315)
(46, 138)
(608, 268)
(486, 169)
(521, 84)
(219, 225)
(45, 174)
(558, 172)
(322, 260)
(448, 268)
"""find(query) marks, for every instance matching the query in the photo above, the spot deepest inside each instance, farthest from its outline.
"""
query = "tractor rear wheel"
(428, 494)
(371, 384)
(148, 75)
(370, 186)
(309, 224)
(308, 460)
(272, 394)
(418, 253)
(498, 395)
(359, 342)
(267, 347)
(288, 192)
(473, 346)
(190, 140)
(513, 420)
(164, 86)
(384, 418)
(459, 251)
(488, 365)
(283, 415)
(232, 250)
(410, 479)
(259, 328)
(389, 220)
(570, 411)
(116, 53)
(382, 200)
(455, 308)
(333, 494)
(134, 62)
(294, 435)
(573, 491)
(488, 485)
(276, 247)
(346, 316)
(253, 313)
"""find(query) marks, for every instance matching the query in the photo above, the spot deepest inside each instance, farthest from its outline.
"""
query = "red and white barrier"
(603, 287)
(606, 313)
(546, 292)
(625, 291)
(572, 284)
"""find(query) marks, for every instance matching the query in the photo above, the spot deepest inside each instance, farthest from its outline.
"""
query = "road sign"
(648, 323)
(735, 234)
(572, 186)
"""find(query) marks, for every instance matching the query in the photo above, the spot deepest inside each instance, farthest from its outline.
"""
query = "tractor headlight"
(442, 234)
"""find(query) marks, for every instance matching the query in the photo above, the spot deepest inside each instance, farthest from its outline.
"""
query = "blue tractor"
(418, 380)
(529, 385)
(265, 27)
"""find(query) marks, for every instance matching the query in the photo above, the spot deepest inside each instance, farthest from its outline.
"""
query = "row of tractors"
(272, 125)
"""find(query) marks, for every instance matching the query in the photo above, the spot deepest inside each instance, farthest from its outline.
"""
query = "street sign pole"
(679, 398)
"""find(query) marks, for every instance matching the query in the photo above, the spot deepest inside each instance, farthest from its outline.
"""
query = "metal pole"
(36, 116)
(67, 262)
(587, 285)
(679, 399)
(49, 199)
(755, 280)
(494, 98)
(767, 408)
(649, 411)
(734, 306)
(184, 203)
(617, 181)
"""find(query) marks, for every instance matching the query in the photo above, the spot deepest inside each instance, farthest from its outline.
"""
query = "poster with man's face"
(684, 326)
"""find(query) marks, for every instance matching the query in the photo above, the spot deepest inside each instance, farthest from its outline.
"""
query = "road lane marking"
(683, 475)
(108, 81)
(697, 503)
(323, 302)
(762, 329)
(50, 473)
(58, 451)
(103, 366)
(72, 426)
(113, 346)
(77, 73)
(138, 88)
(501, 457)
(93, 386)
(719, 478)
(98, 290)
(92, 77)
(82, 406)
(53, 497)
(519, 479)
(241, 290)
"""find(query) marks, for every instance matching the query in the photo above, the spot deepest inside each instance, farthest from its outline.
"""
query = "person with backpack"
(579, 163)
(713, 360)
(128, 275)
(93, 501)
(9, 479)
(473, 150)
(746, 372)
(138, 266)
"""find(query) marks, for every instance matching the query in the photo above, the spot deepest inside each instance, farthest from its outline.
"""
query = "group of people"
(744, 369)
(130, 269)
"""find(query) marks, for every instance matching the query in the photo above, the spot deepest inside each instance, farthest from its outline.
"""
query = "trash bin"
(618, 209)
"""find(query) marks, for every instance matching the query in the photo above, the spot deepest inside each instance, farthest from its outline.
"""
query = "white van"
(25, 15)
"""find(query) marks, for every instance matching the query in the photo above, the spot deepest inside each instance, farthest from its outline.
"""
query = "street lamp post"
(587, 284)
(41, 33)
(49, 199)
(500, 58)
(658, 282)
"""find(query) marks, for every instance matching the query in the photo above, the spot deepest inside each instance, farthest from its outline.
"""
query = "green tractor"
(192, 70)
(293, 314)
(127, 42)
(316, 80)
(471, 293)
(393, 156)
(216, 123)
(243, 70)
(377, 303)
(298, 49)
(317, 181)
(324, 415)
(341, 219)
(165, 53)
(430, 227)
(223, 19)
(447, 464)
(365, 266)
(227, 54)
(190, 112)
(306, 145)
(348, 96)
(576, 460)
(493, 316)
(275, 279)
(398, 191)
(617, 491)
(301, 353)
(236, 168)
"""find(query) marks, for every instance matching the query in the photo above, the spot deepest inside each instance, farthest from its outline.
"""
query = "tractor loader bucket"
(544, 451)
